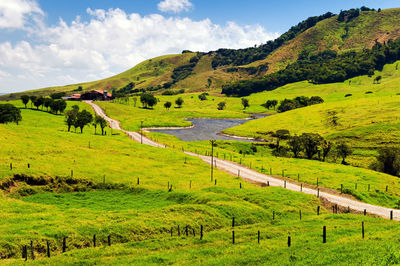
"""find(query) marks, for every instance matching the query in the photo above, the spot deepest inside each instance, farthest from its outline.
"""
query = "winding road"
(259, 178)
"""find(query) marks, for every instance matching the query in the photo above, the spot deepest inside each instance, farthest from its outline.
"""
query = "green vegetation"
(9, 113)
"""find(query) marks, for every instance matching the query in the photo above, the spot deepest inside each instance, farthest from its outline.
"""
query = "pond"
(206, 129)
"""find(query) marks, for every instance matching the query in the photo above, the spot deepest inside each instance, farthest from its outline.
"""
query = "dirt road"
(254, 176)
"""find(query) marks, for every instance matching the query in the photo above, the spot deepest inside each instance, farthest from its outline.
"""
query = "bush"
(348, 95)
(388, 161)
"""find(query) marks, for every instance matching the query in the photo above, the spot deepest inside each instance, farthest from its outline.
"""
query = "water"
(206, 129)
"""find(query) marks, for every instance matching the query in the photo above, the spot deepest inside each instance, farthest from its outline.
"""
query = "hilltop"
(195, 72)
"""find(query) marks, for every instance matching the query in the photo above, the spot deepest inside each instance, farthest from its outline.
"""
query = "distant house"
(96, 95)
(72, 97)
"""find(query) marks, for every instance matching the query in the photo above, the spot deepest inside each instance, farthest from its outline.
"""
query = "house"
(96, 95)
(72, 97)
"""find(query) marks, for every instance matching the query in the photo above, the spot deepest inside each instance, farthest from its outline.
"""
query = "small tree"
(281, 134)
(221, 105)
(167, 105)
(83, 118)
(388, 161)
(203, 96)
(274, 103)
(25, 99)
(95, 123)
(9, 113)
(103, 123)
(33, 99)
(245, 103)
(295, 145)
(326, 147)
(311, 141)
(39, 102)
(148, 100)
(344, 150)
(179, 102)
(378, 79)
(70, 118)
(47, 103)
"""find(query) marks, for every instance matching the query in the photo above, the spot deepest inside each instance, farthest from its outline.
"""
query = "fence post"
(318, 208)
(386, 188)
(25, 253)
(298, 177)
(355, 186)
(94, 240)
(233, 237)
(273, 215)
(362, 225)
(283, 173)
(391, 215)
(318, 193)
(365, 212)
(109, 240)
(317, 182)
(268, 183)
(301, 187)
(179, 231)
(289, 241)
(238, 173)
(369, 186)
(233, 222)
(240, 185)
(201, 232)
(64, 247)
(190, 184)
(270, 171)
(215, 182)
(32, 251)
(324, 235)
(72, 173)
(10, 166)
(29, 166)
(341, 188)
(284, 184)
(48, 249)
(258, 237)
(187, 230)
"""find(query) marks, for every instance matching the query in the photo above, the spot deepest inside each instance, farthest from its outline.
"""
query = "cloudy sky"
(57, 42)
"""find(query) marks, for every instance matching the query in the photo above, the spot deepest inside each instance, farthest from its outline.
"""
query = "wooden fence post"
(318, 208)
(72, 173)
(289, 241)
(32, 251)
(369, 186)
(318, 193)
(283, 173)
(233, 237)
(284, 184)
(341, 188)
(94, 240)
(201, 232)
(298, 177)
(365, 212)
(109, 240)
(386, 188)
(270, 171)
(29, 166)
(391, 215)
(48, 249)
(355, 186)
(215, 182)
(64, 246)
(317, 182)
(187, 230)
(362, 225)
(258, 237)
(25, 253)
(233, 222)
(190, 184)
(240, 185)
(324, 234)
(300, 214)
(10, 166)
(301, 187)
(268, 183)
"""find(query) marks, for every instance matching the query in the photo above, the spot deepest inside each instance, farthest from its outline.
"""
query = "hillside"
(313, 35)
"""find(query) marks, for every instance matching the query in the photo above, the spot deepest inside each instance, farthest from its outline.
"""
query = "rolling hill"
(313, 35)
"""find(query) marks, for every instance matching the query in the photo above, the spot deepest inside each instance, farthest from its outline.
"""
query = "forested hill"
(322, 38)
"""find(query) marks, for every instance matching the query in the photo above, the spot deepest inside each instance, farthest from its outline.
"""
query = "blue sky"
(56, 42)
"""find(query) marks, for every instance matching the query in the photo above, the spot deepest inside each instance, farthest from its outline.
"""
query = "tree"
(96, 123)
(203, 96)
(167, 105)
(221, 105)
(295, 145)
(378, 79)
(245, 103)
(388, 161)
(344, 150)
(311, 141)
(83, 118)
(70, 118)
(326, 147)
(148, 100)
(25, 99)
(179, 102)
(39, 102)
(58, 106)
(102, 122)
(274, 103)
(9, 113)
(47, 103)
(281, 134)
(33, 99)
(57, 95)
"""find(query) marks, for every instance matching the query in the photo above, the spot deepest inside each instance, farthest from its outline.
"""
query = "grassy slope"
(330, 34)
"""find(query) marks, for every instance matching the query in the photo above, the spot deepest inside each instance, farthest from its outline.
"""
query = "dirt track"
(259, 178)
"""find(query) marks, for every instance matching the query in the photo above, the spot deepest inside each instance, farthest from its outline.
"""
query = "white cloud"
(175, 6)
(111, 42)
(16, 13)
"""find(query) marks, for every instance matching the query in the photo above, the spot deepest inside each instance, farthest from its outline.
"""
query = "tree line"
(324, 67)
(56, 106)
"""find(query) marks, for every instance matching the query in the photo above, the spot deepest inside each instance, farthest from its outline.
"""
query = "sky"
(45, 43)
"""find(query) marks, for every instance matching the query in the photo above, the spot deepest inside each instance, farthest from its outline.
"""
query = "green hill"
(215, 69)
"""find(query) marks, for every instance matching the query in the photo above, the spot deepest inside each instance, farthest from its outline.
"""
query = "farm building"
(96, 95)
(72, 97)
